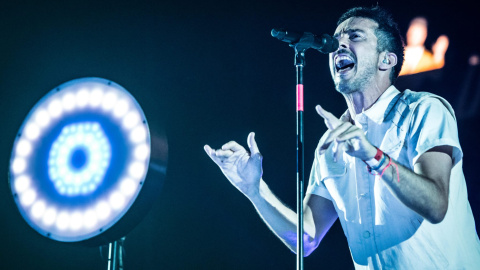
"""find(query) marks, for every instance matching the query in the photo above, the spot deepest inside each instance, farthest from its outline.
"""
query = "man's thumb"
(252, 144)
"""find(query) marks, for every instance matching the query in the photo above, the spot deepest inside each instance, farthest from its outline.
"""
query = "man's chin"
(343, 88)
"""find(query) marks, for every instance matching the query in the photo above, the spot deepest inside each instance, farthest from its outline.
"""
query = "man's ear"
(387, 60)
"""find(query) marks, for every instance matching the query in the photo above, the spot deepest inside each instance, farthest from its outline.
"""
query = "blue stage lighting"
(80, 159)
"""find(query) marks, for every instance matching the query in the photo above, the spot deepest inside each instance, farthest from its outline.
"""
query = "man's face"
(355, 63)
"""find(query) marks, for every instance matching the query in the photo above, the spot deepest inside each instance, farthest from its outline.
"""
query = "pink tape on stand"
(300, 97)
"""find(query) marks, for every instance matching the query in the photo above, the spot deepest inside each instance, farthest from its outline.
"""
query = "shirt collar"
(376, 112)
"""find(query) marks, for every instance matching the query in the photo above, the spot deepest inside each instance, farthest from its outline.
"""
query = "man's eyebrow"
(348, 31)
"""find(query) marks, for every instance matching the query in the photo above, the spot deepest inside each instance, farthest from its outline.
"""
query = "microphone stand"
(299, 64)
(301, 42)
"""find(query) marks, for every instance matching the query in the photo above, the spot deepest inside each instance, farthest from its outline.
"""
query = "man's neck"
(363, 99)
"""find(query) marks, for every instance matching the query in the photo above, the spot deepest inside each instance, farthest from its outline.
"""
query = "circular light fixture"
(80, 160)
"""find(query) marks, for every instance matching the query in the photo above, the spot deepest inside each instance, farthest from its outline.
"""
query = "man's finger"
(211, 153)
(232, 145)
(351, 132)
(331, 121)
(220, 153)
(338, 131)
(252, 144)
(208, 149)
(255, 156)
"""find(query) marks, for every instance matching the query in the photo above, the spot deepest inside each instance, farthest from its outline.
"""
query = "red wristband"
(378, 155)
(376, 162)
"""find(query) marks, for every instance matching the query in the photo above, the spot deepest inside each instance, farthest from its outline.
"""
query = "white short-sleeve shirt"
(382, 232)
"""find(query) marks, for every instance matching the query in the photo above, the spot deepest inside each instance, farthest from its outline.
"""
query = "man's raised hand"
(243, 169)
(345, 137)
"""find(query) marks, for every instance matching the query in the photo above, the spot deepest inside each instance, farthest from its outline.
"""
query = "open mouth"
(344, 63)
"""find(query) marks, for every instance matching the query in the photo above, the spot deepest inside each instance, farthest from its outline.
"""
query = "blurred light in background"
(417, 57)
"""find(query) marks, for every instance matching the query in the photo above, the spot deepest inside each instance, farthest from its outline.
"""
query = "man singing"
(390, 168)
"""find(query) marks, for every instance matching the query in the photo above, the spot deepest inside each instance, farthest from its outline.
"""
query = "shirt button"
(366, 234)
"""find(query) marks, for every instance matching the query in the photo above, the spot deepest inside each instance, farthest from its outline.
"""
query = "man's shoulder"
(413, 99)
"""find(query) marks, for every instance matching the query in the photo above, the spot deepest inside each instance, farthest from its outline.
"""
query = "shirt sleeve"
(433, 124)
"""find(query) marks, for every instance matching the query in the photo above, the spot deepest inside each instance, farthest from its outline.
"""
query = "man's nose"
(343, 41)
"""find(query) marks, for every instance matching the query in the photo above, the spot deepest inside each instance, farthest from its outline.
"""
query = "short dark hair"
(388, 34)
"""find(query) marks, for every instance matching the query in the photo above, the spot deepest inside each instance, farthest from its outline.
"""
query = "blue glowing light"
(79, 158)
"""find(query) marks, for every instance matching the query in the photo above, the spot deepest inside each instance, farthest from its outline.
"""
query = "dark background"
(206, 72)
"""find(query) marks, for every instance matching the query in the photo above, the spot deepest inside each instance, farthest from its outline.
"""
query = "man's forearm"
(426, 196)
(281, 220)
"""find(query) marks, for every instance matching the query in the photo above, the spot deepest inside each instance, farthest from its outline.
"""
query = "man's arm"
(244, 171)
(424, 190)
(319, 216)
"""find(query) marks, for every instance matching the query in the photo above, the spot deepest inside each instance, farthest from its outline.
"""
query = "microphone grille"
(330, 44)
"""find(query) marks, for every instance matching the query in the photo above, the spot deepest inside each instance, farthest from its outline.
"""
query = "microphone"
(324, 44)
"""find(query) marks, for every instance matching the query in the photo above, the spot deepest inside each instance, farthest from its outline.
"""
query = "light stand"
(115, 255)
